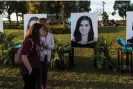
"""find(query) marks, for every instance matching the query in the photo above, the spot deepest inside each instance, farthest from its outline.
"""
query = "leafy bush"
(60, 29)
(6, 44)
(58, 57)
(13, 26)
(102, 55)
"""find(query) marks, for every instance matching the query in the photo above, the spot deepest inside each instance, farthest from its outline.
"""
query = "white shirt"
(43, 51)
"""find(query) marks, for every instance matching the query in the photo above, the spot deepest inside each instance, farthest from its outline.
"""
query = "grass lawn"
(82, 76)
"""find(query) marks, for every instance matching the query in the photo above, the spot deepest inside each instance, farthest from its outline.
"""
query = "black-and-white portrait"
(129, 27)
(30, 19)
(1, 23)
(84, 29)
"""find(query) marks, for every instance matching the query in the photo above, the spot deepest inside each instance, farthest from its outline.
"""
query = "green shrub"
(13, 26)
(102, 55)
(58, 60)
(6, 44)
(60, 29)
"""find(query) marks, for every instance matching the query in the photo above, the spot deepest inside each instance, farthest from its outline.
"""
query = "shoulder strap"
(32, 44)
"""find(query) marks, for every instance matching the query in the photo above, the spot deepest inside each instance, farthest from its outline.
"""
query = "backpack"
(18, 55)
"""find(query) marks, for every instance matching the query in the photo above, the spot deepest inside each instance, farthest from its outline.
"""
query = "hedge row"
(55, 29)
(13, 26)
(60, 30)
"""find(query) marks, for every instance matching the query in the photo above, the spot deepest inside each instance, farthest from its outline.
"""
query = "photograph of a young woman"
(1, 23)
(30, 19)
(83, 34)
(129, 28)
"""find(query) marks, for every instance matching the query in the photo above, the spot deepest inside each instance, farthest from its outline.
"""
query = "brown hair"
(45, 28)
(43, 22)
(33, 33)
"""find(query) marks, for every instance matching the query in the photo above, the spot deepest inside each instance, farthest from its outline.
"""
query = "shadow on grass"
(10, 82)
(82, 65)
(88, 85)
(86, 65)
(111, 29)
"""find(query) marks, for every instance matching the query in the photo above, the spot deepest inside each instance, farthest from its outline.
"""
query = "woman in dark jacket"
(30, 68)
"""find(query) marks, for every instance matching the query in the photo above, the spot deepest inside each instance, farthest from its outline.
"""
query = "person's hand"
(30, 71)
(45, 45)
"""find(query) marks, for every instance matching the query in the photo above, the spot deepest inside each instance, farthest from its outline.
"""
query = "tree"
(33, 7)
(63, 8)
(83, 6)
(22, 7)
(52, 7)
(122, 7)
(113, 13)
(43, 7)
(105, 17)
(76, 6)
(9, 9)
(1, 7)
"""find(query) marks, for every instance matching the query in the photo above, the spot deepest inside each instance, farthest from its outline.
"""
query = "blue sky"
(96, 5)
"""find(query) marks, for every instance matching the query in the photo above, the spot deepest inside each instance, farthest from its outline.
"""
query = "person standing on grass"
(30, 68)
(47, 44)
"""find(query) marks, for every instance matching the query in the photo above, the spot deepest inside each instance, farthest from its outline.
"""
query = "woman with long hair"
(30, 68)
(47, 42)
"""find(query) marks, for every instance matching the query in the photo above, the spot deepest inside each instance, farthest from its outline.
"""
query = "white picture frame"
(129, 26)
(94, 19)
(27, 17)
(1, 24)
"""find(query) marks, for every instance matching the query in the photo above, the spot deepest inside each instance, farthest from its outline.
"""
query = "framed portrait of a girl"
(1, 23)
(30, 19)
(129, 27)
(84, 29)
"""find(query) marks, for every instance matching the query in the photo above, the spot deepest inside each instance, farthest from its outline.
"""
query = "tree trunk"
(9, 18)
(123, 17)
(17, 17)
(62, 15)
(22, 16)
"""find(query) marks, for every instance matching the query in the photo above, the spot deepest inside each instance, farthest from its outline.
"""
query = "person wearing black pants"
(30, 67)
(46, 47)
(32, 81)
(44, 71)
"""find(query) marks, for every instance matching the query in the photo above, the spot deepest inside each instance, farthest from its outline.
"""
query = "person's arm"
(26, 63)
(51, 45)
(25, 52)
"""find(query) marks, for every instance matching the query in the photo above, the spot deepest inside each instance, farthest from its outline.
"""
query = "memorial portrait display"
(30, 19)
(1, 23)
(84, 29)
(129, 27)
